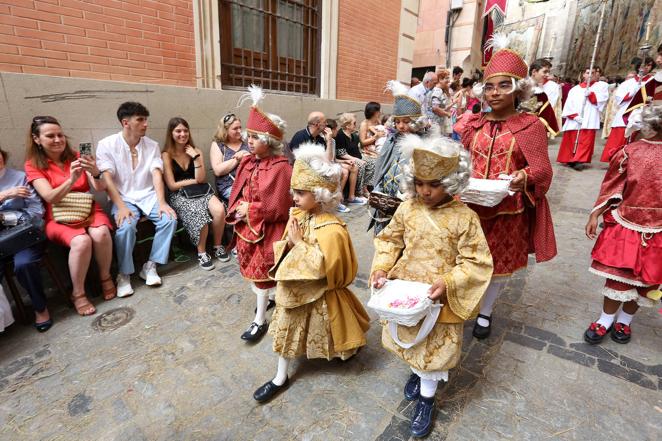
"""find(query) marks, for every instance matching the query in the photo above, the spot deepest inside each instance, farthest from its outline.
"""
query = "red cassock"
(629, 248)
(265, 185)
(615, 141)
(522, 223)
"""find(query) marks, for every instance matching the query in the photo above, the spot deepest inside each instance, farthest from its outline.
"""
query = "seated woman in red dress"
(55, 170)
(509, 142)
(628, 252)
(259, 207)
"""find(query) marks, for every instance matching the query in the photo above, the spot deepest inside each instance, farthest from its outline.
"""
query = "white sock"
(606, 320)
(262, 303)
(489, 299)
(281, 374)
(201, 254)
(428, 388)
(272, 294)
(624, 317)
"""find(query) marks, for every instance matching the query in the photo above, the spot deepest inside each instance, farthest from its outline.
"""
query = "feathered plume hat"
(432, 157)
(258, 122)
(404, 105)
(505, 61)
(310, 158)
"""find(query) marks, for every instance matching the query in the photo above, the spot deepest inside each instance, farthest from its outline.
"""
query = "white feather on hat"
(255, 94)
(497, 42)
(396, 87)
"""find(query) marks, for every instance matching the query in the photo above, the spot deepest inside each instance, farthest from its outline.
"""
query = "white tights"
(490, 297)
(281, 374)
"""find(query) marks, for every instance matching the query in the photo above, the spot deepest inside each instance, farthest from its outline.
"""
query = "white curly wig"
(315, 156)
(453, 183)
(651, 121)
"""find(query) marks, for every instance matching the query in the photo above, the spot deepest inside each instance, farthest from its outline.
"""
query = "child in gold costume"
(437, 240)
(316, 314)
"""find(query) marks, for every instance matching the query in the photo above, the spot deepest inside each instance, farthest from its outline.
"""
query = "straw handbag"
(74, 209)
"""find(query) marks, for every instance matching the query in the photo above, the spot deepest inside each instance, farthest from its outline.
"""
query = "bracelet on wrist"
(196, 156)
(197, 166)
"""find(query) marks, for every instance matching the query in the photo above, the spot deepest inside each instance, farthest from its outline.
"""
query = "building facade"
(309, 54)
(563, 30)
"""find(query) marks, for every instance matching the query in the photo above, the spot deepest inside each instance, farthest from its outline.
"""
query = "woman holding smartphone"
(55, 171)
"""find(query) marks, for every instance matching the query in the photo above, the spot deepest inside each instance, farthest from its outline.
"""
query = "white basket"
(400, 289)
(485, 192)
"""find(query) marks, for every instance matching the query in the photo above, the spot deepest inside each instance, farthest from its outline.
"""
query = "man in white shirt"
(622, 99)
(133, 171)
(591, 97)
(422, 92)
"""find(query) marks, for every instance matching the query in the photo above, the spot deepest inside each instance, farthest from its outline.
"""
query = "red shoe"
(595, 333)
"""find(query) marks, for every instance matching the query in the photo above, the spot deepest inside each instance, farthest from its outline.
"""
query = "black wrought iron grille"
(273, 43)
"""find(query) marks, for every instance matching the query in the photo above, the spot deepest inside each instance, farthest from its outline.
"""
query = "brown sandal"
(82, 304)
(108, 289)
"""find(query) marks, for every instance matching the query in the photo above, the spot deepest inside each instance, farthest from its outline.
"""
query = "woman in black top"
(184, 174)
(225, 154)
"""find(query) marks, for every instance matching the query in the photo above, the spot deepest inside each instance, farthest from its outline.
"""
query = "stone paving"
(168, 364)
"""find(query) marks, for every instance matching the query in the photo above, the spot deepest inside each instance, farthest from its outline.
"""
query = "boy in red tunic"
(628, 252)
(259, 206)
(506, 141)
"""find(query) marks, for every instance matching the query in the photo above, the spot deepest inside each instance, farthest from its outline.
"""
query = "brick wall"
(147, 41)
(368, 33)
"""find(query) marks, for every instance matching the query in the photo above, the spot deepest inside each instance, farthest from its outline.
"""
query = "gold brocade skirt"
(305, 330)
(440, 351)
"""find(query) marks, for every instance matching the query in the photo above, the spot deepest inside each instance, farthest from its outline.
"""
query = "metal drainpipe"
(451, 18)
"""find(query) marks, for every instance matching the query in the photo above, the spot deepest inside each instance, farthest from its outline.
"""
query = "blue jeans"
(27, 265)
(125, 237)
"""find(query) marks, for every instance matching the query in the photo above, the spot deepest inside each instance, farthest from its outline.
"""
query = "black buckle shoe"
(270, 305)
(421, 423)
(595, 333)
(482, 332)
(269, 390)
(413, 387)
(621, 333)
(261, 330)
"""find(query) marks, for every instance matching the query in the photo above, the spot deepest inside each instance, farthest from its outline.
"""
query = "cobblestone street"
(168, 363)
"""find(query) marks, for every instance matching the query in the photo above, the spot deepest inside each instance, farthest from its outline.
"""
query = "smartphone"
(85, 148)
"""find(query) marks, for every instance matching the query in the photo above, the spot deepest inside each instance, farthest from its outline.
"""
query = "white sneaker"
(149, 274)
(356, 201)
(124, 288)
(343, 209)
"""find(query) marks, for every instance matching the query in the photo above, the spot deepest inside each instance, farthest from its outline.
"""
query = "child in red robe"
(259, 207)
(628, 251)
(511, 142)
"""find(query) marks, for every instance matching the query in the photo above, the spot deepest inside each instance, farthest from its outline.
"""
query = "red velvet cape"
(531, 137)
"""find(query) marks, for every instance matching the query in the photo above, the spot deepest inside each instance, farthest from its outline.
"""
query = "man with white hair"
(422, 92)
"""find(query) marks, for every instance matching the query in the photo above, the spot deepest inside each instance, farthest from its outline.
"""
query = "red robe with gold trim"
(265, 185)
(522, 223)
(629, 248)
(546, 113)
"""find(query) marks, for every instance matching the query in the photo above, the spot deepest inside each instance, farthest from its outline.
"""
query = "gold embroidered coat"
(425, 244)
(316, 314)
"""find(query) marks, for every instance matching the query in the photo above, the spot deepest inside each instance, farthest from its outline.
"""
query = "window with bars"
(273, 43)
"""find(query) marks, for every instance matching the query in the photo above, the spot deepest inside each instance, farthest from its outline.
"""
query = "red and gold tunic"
(629, 248)
(521, 223)
(265, 185)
